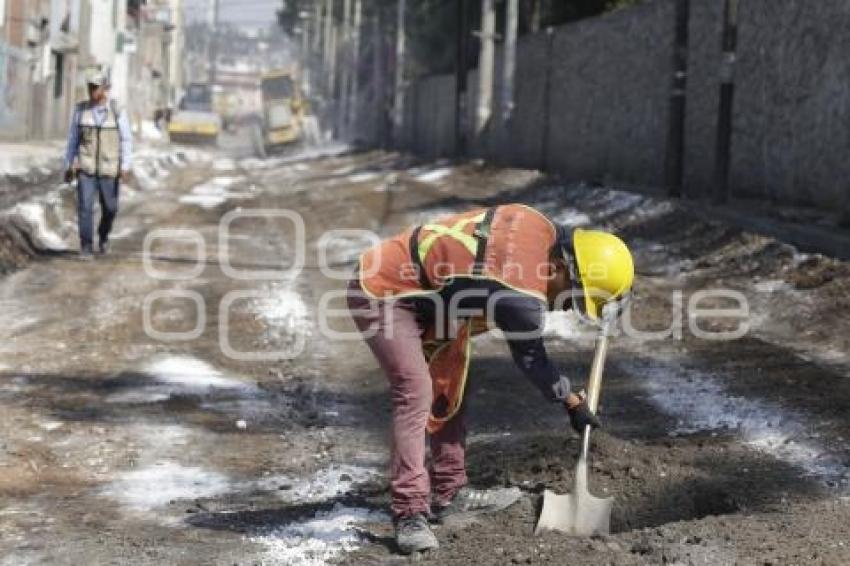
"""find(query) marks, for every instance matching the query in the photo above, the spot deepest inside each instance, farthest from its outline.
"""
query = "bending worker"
(420, 296)
(99, 154)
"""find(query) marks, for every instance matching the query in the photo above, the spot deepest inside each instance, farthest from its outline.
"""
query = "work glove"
(69, 175)
(581, 416)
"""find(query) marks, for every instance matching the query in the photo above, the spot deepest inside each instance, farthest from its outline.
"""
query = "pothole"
(694, 501)
(652, 484)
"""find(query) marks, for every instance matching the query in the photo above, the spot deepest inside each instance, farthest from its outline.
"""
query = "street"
(144, 422)
(604, 247)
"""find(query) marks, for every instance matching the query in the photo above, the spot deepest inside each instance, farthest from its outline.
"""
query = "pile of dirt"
(818, 271)
(29, 181)
(14, 251)
(34, 228)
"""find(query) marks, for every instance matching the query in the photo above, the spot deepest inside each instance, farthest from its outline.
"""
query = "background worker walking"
(503, 266)
(99, 155)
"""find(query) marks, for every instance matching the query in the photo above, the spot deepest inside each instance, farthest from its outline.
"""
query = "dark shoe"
(103, 247)
(469, 502)
(412, 534)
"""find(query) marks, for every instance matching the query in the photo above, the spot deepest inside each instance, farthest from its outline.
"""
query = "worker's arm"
(521, 318)
(73, 147)
(126, 135)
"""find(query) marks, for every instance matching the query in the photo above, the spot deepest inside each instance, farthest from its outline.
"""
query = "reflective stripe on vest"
(420, 260)
(456, 232)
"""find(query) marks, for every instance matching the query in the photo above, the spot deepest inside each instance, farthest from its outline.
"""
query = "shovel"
(580, 513)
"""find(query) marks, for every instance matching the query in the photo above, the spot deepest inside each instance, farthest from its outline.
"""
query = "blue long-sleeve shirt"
(100, 113)
(519, 316)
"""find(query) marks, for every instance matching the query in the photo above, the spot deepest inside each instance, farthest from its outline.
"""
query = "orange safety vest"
(509, 244)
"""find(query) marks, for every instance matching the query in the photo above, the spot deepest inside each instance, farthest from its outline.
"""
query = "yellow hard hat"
(602, 269)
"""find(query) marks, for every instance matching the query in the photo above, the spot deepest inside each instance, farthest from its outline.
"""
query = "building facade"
(47, 46)
(39, 42)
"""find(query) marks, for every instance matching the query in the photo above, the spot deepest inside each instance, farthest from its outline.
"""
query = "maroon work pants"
(392, 331)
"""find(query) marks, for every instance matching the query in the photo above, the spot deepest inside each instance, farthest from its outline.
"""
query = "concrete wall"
(791, 136)
(609, 99)
(525, 146)
(433, 103)
(609, 82)
(703, 95)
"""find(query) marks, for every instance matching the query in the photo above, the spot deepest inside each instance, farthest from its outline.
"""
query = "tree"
(288, 16)
(432, 24)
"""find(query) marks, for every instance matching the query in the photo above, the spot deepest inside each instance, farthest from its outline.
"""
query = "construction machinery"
(226, 105)
(281, 124)
(195, 121)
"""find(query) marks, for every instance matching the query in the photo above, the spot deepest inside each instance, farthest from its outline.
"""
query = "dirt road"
(180, 401)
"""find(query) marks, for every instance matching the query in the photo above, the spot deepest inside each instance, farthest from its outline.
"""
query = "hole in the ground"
(670, 503)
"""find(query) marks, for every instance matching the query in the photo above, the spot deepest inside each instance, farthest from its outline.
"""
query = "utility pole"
(547, 98)
(327, 51)
(398, 99)
(314, 62)
(486, 62)
(334, 57)
(213, 62)
(355, 68)
(723, 148)
(317, 22)
(345, 63)
(674, 170)
(305, 40)
(535, 15)
(305, 37)
(461, 108)
(379, 70)
(304, 19)
(509, 67)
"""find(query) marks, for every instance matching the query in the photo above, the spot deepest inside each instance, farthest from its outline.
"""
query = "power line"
(237, 3)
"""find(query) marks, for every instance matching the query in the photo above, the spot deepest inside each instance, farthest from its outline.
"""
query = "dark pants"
(107, 190)
(395, 337)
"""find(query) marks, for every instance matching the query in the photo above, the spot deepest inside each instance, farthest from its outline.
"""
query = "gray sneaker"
(412, 534)
(469, 502)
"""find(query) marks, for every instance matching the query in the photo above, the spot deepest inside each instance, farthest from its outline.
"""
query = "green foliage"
(617, 4)
(557, 12)
(432, 36)
(432, 25)
(287, 15)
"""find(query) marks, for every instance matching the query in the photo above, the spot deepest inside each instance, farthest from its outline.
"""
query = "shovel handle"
(594, 383)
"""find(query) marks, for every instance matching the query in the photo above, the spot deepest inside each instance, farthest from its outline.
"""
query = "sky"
(254, 13)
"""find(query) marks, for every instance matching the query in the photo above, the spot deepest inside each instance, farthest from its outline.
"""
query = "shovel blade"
(578, 513)
(575, 514)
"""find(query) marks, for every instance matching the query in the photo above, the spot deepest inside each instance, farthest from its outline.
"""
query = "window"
(59, 75)
(278, 87)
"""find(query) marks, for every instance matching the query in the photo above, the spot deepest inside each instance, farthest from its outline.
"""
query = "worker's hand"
(124, 176)
(580, 414)
(69, 175)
